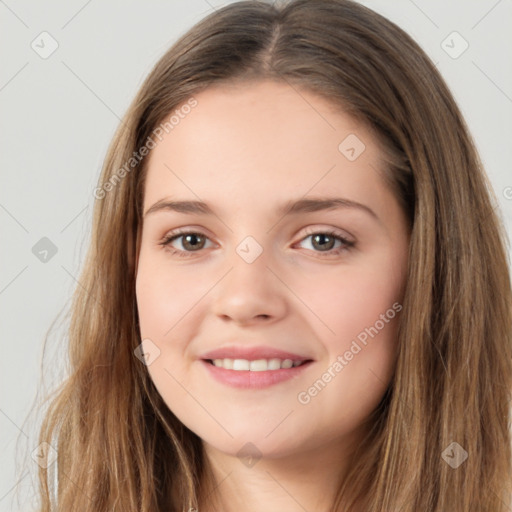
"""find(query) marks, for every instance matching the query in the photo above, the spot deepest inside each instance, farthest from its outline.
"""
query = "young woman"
(297, 294)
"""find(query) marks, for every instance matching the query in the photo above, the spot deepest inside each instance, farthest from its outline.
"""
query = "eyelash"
(170, 237)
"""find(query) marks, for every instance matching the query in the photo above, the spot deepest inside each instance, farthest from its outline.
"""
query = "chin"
(254, 446)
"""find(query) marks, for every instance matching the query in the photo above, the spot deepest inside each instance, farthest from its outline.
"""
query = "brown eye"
(191, 242)
(324, 242)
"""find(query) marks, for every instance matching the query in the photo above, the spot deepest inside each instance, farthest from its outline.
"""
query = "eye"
(193, 241)
(325, 241)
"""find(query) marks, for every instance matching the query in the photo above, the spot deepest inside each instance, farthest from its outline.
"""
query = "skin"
(245, 149)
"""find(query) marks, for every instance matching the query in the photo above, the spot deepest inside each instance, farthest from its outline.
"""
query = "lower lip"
(246, 379)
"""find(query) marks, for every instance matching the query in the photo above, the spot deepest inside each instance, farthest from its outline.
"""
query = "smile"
(258, 365)
(254, 374)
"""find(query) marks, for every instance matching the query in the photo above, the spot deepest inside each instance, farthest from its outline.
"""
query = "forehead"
(250, 142)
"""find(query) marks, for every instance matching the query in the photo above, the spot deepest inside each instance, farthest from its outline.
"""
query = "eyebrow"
(292, 207)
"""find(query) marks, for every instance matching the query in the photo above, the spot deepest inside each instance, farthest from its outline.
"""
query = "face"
(255, 284)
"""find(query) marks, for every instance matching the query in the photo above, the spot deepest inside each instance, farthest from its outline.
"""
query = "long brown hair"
(119, 446)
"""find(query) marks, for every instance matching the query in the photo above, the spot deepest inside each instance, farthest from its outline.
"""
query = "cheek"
(169, 304)
(153, 302)
(165, 303)
(359, 309)
(353, 299)
(165, 296)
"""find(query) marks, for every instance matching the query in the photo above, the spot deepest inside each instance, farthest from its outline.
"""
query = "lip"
(252, 354)
(245, 379)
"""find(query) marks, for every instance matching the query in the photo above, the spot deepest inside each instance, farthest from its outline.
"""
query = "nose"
(250, 293)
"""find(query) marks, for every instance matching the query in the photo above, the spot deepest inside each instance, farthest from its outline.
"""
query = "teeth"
(258, 365)
(274, 364)
(241, 364)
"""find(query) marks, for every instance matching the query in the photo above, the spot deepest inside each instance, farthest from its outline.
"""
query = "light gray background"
(58, 116)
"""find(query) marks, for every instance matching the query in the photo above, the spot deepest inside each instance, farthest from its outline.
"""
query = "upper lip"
(252, 354)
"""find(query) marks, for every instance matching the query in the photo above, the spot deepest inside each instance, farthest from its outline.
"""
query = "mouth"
(256, 365)
(255, 374)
